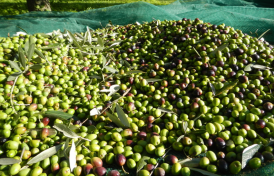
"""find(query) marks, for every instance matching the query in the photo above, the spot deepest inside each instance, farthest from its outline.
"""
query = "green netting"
(248, 16)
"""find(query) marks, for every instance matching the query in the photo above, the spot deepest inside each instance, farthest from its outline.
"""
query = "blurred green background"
(16, 7)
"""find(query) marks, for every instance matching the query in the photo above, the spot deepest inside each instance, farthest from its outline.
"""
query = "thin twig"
(168, 149)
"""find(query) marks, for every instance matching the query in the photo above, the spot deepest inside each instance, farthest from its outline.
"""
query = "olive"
(113, 173)
(99, 171)
(222, 165)
(171, 159)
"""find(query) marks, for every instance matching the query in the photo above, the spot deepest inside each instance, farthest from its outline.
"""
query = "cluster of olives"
(189, 90)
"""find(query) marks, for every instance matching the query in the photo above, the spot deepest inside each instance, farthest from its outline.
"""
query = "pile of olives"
(201, 90)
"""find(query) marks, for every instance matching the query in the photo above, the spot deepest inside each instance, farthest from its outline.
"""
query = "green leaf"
(134, 71)
(212, 88)
(26, 47)
(51, 46)
(38, 60)
(16, 117)
(126, 63)
(179, 138)
(204, 172)
(165, 110)
(32, 40)
(248, 67)
(153, 80)
(74, 40)
(198, 132)
(115, 120)
(58, 115)
(13, 76)
(20, 93)
(65, 130)
(248, 153)
(92, 128)
(22, 152)
(45, 154)
(112, 70)
(261, 67)
(22, 58)
(22, 29)
(44, 35)
(100, 41)
(96, 47)
(80, 55)
(190, 162)
(227, 87)
(8, 161)
(142, 163)
(15, 65)
(66, 147)
(72, 156)
(122, 116)
(264, 141)
(31, 51)
(39, 53)
(104, 61)
(220, 48)
(185, 126)
(36, 67)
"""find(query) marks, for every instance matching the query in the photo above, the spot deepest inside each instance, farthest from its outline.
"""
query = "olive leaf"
(39, 53)
(104, 61)
(179, 138)
(31, 51)
(165, 110)
(261, 67)
(8, 161)
(112, 90)
(112, 70)
(115, 120)
(65, 130)
(23, 150)
(100, 41)
(45, 154)
(44, 35)
(26, 47)
(198, 132)
(22, 58)
(38, 60)
(134, 71)
(204, 172)
(142, 163)
(15, 65)
(220, 48)
(248, 67)
(36, 67)
(153, 80)
(248, 153)
(20, 93)
(72, 156)
(190, 162)
(58, 115)
(22, 29)
(80, 55)
(185, 126)
(16, 117)
(14, 76)
(71, 36)
(138, 23)
(227, 87)
(270, 142)
(95, 111)
(96, 77)
(89, 35)
(212, 88)
(32, 40)
(79, 142)
(122, 116)
(126, 63)
(51, 46)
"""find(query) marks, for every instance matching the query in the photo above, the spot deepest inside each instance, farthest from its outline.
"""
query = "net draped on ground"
(248, 16)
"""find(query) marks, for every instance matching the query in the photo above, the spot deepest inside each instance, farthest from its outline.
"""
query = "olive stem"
(124, 170)
(11, 99)
(160, 159)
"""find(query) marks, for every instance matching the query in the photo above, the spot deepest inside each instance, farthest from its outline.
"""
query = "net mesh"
(249, 16)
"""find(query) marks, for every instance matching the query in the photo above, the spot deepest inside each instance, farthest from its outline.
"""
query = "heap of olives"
(201, 90)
